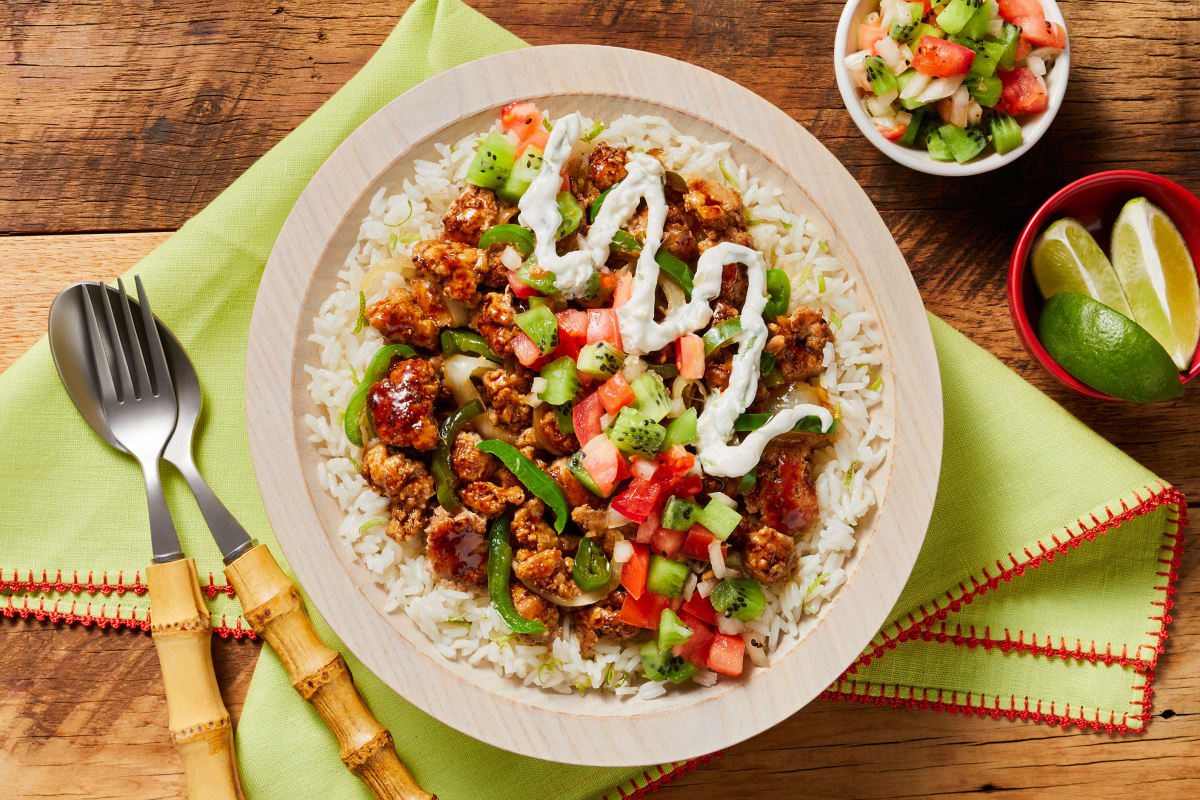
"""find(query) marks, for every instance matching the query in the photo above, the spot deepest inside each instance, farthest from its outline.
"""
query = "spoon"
(69, 348)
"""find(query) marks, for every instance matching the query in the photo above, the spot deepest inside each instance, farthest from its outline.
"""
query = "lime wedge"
(1159, 277)
(1106, 350)
(1067, 259)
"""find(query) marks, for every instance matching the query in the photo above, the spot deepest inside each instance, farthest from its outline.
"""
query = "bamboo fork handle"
(199, 723)
(273, 607)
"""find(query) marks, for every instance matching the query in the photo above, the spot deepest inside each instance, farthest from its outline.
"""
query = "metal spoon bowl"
(69, 347)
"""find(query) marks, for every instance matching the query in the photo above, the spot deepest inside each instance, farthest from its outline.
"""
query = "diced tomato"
(697, 542)
(1024, 48)
(539, 139)
(586, 416)
(687, 486)
(695, 649)
(622, 467)
(573, 325)
(649, 526)
(604, 463)
(523, 119)
(527, 352)
(638, 500)
(673, 464)
(941, 58)
(644, 611)
(1040, 33)
(616, 393)
(1023, 93)
(520, 289)
(891, 134)
(624, 291)
(1012, 10)
(725, 654)
(689, 356)
(868, 35)
(701, 608)
(633, 574)
(667, 542)
(602, 327)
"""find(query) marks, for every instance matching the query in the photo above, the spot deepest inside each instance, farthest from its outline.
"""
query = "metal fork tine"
(161, 374)
(125, 385)
(140, 373)
(108, 392)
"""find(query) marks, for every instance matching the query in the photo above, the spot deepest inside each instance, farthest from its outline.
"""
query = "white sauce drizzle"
(640, 333)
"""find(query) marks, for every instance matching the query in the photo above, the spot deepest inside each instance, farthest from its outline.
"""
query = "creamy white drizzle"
(640, 332)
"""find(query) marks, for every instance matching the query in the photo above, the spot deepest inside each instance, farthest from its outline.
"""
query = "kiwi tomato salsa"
(955, 76)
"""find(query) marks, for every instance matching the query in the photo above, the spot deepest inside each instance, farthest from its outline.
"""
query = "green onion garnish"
(821, 284)
(362, 314)
(854, 465)
(371, 523)
(728, 178)
(875, 384)
(594, 131)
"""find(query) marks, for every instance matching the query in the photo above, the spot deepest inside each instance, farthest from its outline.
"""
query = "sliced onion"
(615, 519)
(974, 113)
(995, 27)
(459, 369)
(400, 264)
(705, 587)
(889, 51)
(881, 106)
(458, 312)
(634, 368)
(730, 626)
(584, 598)
(544, 441)
(1047, 54)
(643, 468)
(958, 107)
(1035, 64)
(689, 588)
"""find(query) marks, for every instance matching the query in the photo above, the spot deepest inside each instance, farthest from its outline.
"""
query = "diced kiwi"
(984, 89)
(493, 162)
(740, 598)
(679, 514)
(634, 433)
(600, 360)
(524, 171)
(1006, 133)
(575, 465)
(880, 77)
(964, 143)
(652, 400)
(936, 145)
(666, 576)
(663, 665)
(957, 14)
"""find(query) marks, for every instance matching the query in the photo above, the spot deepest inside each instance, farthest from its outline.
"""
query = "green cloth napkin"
(988, 622)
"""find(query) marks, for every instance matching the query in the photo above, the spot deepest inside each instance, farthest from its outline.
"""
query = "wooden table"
(119, 119)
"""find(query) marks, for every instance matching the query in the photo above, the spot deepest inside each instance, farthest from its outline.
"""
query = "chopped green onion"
(354, 374)
(875, 384)
(546, 124)
(459, 620)
(787, 226)
(854, 465)
(592, 132)
(534, 479)
(824, 247)
(725, 173)
(357, 466)
(362, 313)
(406, 219)
(816, 584)
(821, 284)
(834, 319)
(371, 523)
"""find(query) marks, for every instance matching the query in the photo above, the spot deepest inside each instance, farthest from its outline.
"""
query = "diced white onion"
(533, 400)
(605, 420)
(858, 72)
(1035, 64)
(615, 519)
(721, 497)
(1042, 82)
(643, 468)
(758, 654)
(903, 117)
(974, 113)
(903, 14)
(634, 368)
(730, 626)
(705, 587)
(510, 258)
(689, 588)
(958, 107)
(995, 27)
(622, 552)
(881, 106)
(889, 51)
(1047, 54)
(939, 88)
(915, 86)
(717, 557)
(705, 677)
(872, 18)
(907, 53)
(539, 384)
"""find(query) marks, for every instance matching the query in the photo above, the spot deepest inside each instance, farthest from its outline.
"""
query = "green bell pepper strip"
(779, 287)
(766, 363)
(772, 379)
(499, 571)
(721, 334)
(536, 481)
(464, 341)
(591, 570)
(746, 484)
(443, 475)
(676, 270)
(571, 213)
(518, 237)
(376, 370)
(624, 240)
(809, 424)
(594, 208)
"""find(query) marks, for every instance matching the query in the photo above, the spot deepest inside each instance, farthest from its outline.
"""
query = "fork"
(138, 398)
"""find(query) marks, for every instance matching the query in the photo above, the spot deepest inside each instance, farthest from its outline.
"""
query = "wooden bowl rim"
(599, 729)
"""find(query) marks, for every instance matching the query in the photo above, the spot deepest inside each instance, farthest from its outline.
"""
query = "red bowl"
(1095, 201)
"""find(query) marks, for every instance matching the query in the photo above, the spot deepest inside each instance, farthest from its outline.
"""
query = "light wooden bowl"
(599, 728)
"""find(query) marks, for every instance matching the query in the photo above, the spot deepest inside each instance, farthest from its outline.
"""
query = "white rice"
(461, 624)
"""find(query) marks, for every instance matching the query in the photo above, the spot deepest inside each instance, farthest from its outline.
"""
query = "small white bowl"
(1032, 126)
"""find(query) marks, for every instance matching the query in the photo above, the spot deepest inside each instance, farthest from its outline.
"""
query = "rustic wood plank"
(34, 268)
(130, 115)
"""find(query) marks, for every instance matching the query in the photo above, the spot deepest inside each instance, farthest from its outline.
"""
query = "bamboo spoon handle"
(199, 723)
(273, 607)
